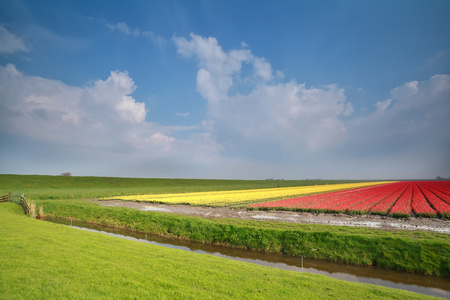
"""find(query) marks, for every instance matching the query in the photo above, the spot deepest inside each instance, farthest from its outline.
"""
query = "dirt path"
(380, 222)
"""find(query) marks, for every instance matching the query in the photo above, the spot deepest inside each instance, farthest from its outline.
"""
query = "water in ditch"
(429, 285)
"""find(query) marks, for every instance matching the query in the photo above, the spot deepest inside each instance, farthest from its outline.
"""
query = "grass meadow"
(42, 260)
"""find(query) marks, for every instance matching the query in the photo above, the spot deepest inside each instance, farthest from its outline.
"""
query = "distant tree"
(66, 174)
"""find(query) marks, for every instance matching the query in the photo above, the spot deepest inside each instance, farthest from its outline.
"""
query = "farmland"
(239, 197)
(391, 249)
(60, 187)
(398, 199)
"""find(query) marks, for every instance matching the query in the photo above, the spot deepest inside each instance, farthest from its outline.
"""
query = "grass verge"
(42, 260)
(412, 251)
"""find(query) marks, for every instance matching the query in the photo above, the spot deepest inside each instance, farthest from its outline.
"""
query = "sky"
(226, 89)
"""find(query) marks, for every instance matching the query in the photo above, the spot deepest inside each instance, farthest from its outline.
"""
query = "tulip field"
(397, 199)
(240, 197)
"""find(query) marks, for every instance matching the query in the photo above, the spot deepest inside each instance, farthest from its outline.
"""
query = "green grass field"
(420, 252)
(413, 251)
(42, 260)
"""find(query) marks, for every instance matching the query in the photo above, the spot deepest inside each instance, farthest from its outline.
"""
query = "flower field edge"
(402, 199)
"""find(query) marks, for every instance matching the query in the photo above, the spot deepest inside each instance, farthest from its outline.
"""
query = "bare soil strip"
(372, 221)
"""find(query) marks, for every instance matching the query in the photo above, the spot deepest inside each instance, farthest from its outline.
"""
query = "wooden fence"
(23, 202)
(25, 205)
(5, 198)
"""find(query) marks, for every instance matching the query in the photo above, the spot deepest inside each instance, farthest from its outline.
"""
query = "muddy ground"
(373, 221)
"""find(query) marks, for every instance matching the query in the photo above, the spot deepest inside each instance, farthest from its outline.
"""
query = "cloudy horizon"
(172, 93)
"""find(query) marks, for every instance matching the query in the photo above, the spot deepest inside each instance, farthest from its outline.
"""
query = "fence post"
(302, 264)
(5, 198)
(24, 204)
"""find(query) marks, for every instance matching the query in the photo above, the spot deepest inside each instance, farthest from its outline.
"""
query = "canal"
(429, 285)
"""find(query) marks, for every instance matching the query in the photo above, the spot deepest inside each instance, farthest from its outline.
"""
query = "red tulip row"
(441, 207)
(420, 205)
(314, 202)
(399, 199)
(357, 203)
(440, 191)
(402, 207)
(384, 206)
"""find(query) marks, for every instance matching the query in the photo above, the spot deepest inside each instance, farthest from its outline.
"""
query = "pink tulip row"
(399, 199)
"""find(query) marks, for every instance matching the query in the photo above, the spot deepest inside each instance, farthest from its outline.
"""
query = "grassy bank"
(412, 251)
(42, 260)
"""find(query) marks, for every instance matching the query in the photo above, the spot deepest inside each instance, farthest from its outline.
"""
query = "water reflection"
(429, 285)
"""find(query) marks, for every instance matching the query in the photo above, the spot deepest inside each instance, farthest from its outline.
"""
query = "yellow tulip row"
(240, 197)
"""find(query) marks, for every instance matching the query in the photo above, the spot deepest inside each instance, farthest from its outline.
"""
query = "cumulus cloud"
(421, 98)
(263, 69)
(291, 115)
(257, 125)
(217, 67)
(9, 43)
(410, 127)
(53, 111)
(102, 116)
(293, 124)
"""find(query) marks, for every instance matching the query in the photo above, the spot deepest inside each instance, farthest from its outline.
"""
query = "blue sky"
(226, 89)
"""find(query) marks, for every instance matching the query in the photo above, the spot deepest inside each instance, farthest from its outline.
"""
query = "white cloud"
(411, 126)
(159, 40)
(287, 114)
(160, 140)
(130, 110)
(406, 90)
(296, 125)
(383, 105)
(123, 28)
(113, 94)
(256, 125)
(279, 74)
(102, 117)
(262, 68)
(218, 68)
(9, 43)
